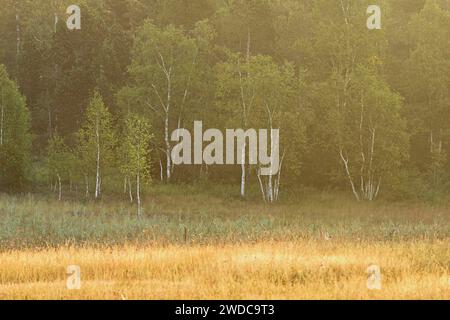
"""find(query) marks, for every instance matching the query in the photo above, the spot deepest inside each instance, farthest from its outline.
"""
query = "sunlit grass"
(269, 270)
(197, 245)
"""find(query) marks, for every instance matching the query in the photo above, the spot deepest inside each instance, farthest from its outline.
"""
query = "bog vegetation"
(87, 178)
(205, 247)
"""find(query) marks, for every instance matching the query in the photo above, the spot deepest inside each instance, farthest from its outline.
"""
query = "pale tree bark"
(138, 181)
(59, 187)
(436, 155)
(271, 189)
(130, 190)
(86, 182)
(344, 69)
(185, 95)
(168, 148)
(243, 174)
(349, 176)
(97, 174)
(278, 180)
(261, 185)
(246, 108)
(369, 185)
(166, 108)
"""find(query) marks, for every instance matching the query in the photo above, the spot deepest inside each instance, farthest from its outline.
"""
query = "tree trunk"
(138, 182)
(130, 190)
(261, 185)
(347, 170)
(86, 180)
(243, 173)
(161, 170)
(166, 139)
(97, 176)
(270, 188)
(59, 187)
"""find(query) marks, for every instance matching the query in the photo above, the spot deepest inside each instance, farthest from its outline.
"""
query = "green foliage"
(60, 159)
(15, 138)
(310, 68)
(211, 219)
(96, 139)
(136, 148)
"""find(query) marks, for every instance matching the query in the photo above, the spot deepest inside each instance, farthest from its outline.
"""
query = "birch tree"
(96, 142)
(374, 143)
(258, 93)
(59, 161)
(137, 147)
(164, 62)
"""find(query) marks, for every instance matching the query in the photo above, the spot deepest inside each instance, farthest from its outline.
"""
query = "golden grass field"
(197, 245)
(316, 269)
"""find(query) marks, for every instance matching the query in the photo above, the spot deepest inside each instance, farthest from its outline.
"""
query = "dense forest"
(90, 111)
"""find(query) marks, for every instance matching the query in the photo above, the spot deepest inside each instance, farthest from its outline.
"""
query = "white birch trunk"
(97, 175)
(59, 187)
(278, 181)
(261, 185)
(270, 188)
(168, 157)
(138, 181)
(243, 174)
(130, 189)
(347, 170)
(86, 181)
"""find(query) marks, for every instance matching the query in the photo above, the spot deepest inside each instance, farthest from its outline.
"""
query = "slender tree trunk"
(278, 180)
(347, 170)
(138, 194)
(138, 181)
(56, 23)
(161, 169)
(86, 181)
(243, 173)
(97, 176)
(270, 188)
(167, 142)
(59, 188)
(130, 190)
(261, 185)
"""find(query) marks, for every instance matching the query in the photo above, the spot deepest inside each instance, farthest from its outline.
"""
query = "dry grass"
(313, 269)
(232, 249)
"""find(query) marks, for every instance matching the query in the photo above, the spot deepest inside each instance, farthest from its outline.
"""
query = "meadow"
(196, 244)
